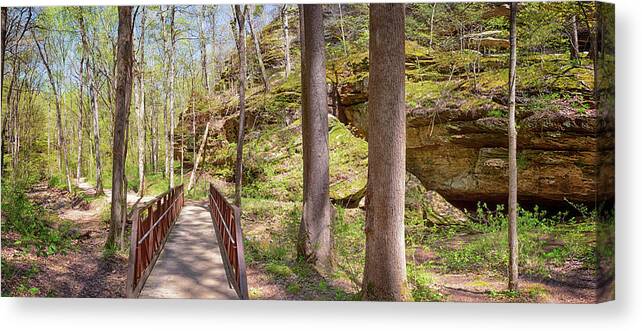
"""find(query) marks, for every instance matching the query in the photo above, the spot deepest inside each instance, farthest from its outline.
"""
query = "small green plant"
(423, 284)
(502, 295)
(497, 113)
(293, 288)
(109, 251)
(279, 270)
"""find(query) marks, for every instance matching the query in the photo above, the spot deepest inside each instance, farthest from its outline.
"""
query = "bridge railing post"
(131, 270)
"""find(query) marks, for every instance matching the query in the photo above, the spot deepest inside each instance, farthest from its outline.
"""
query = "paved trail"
(190, 265)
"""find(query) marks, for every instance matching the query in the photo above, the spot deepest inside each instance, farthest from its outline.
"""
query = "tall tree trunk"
(203, 49)
(286, 39)
(343, 34)
(4, 43)
(384, 277)
(62, 147)
(94, 105)
(257, 50)
(93, 96)
(513, 276)
(80, 118)
(314, 242)
(3, 38)
(165, 91)
(172, 41)
(432, 20)
(212, 15)
(166, 136)
(153, 127)
(123, 99)
(575, 49)
(141, 108)
(238, 171)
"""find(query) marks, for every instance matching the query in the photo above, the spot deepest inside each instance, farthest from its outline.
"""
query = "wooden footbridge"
(186, 250)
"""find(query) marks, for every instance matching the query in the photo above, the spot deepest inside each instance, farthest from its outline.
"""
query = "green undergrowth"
(39, 230)
(273, 163)
(545, 242)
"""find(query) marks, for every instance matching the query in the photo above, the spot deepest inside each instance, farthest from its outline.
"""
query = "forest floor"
(274, 272)
(86, 269)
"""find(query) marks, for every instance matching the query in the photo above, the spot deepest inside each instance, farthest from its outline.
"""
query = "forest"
(387, 152)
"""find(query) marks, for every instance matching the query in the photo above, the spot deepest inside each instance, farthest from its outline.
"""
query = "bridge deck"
(190, 265)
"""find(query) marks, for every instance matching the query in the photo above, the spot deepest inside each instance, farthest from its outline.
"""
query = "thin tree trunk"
(238, 171)
(166, 100)
(171, 59)
(513, 276)
(212, 15)
(575, 51)
(93, 95)
(48, 151)
(123, 99)
(4, 43)
(343, 34)
(432, 20)
(286, 39)
(193, 131)
(141, 108)
(80, 118)
(257, 50)
(197, 160)
(166, 137)
(203, 49)
(3, 38)
(94, 106)
(384, 277)
(314, 242)
(61, 140)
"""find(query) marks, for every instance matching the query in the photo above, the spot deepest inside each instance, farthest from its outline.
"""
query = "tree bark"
(153, 127)
(238, 171)
(286, 39)
(141, 108)
(172, 47)
(4, 43)
(257, 50)
(575, 50)
(513, 276)
(62, 147)
(314, 242)
(123, 100)
(166, 99)
(93, 95)
(343, 34)
(197, 160)
(80, 118)
(432, 21)
(384, 276)
(203, 49)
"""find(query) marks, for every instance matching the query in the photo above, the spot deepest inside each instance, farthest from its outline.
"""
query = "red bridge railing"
(227, 223)
(151, 225)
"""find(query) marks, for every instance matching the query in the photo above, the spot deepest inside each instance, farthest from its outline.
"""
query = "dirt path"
(190, 265)
(481, 288)
(84, 271)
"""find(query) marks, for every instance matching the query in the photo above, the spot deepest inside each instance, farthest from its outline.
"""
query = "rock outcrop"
(463, 154)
